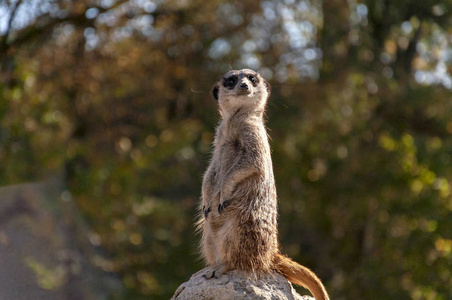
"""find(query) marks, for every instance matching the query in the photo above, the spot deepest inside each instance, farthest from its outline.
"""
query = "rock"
(45, 252)
(236, 285)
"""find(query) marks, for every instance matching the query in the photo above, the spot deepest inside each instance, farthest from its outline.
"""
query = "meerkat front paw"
(206, 211)
(215, 271)
(222, 206)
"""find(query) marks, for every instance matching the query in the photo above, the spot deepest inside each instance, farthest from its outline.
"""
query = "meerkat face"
(241, 89)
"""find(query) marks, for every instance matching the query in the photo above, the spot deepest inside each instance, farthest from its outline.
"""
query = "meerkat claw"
(215, 272)
(206, 211)
(222, 206)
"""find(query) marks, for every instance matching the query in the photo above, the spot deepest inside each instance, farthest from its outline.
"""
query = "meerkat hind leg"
(216, 271)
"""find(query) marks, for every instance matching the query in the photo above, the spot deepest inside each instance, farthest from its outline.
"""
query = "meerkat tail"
(301, 275)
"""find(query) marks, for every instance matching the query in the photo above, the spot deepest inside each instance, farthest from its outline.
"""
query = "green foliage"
(116, 96)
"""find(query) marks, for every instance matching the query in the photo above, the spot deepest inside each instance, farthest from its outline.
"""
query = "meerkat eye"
(252, 78)
(231, 81)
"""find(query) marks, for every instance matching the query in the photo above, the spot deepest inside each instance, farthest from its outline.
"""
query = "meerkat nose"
(244, 86)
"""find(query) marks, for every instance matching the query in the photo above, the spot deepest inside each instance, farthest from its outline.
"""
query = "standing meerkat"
(239, 202)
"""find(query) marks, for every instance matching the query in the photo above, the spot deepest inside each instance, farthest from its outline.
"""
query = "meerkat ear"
(215, 91)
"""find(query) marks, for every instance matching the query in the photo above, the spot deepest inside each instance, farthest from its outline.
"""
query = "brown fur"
(239, 202)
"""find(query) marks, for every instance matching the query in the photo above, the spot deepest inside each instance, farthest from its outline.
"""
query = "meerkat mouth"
(248, 93)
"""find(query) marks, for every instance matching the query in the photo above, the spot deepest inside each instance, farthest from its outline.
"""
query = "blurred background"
(107, 120)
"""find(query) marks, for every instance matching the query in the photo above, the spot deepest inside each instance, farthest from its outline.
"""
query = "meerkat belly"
(247, 238)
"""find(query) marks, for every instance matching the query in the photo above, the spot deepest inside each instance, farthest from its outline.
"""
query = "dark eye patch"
(230, 82)
(252, 78)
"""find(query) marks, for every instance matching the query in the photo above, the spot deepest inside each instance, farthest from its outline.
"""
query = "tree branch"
(4, 41)
(36, 30)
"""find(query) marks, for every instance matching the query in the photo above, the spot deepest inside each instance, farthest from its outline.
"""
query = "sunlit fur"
(231, 101)
(238, 211)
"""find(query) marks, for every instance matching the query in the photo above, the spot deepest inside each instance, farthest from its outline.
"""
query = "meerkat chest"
(227, 152)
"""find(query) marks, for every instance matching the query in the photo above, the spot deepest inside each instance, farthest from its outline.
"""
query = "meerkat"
(238, 211)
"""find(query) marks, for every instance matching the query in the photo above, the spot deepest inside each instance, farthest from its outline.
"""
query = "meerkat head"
(241, 89)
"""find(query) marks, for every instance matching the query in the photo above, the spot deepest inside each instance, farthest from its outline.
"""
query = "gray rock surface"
(45, 252)
(236, 285)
